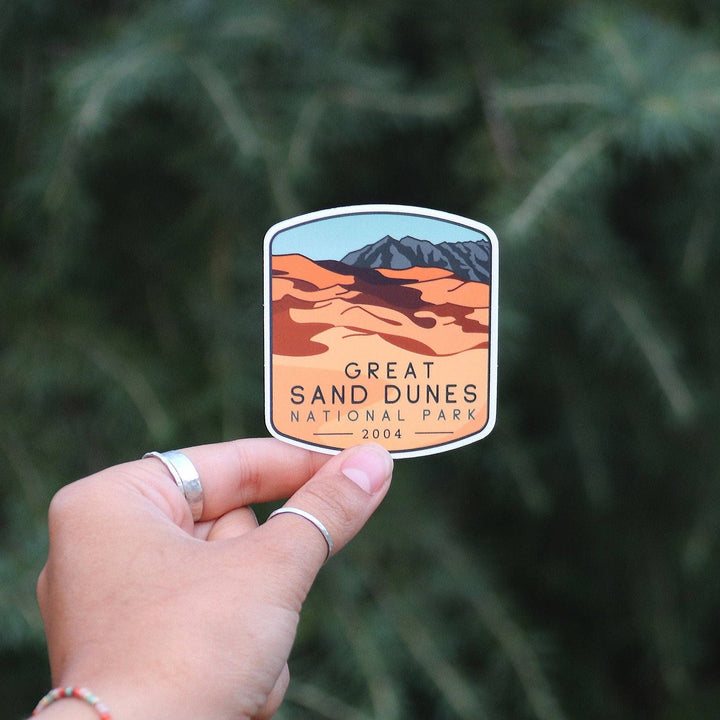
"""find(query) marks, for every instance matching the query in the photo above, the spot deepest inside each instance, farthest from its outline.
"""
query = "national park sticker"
(381, 325)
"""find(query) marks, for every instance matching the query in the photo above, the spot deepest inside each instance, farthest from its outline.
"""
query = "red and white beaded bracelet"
(80, 693)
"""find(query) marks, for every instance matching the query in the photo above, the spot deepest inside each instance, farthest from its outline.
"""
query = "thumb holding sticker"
(338, 500)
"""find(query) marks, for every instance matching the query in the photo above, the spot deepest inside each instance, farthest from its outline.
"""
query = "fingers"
(233, 524)
(345, 489)
(341, 496)
(242, 472)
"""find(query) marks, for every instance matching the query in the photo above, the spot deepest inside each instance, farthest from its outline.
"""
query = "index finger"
(254, 470)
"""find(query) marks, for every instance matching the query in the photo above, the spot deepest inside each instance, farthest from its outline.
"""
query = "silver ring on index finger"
(186, 477)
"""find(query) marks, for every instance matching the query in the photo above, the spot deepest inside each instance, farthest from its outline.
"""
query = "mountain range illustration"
(468, 260)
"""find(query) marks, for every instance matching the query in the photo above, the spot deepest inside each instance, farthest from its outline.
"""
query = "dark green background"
(564, 567)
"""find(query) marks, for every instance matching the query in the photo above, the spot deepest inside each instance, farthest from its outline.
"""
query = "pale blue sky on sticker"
(331, 238)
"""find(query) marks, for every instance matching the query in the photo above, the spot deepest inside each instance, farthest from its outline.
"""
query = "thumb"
(339, 498)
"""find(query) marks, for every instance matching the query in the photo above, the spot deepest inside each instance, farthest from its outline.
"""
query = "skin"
(165, 618)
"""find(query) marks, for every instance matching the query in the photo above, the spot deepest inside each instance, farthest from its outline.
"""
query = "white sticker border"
(376, 209)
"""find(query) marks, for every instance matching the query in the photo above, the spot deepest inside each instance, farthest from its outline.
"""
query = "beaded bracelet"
(80, 693)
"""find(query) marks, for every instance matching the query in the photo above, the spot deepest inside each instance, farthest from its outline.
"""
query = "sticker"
(381, 325)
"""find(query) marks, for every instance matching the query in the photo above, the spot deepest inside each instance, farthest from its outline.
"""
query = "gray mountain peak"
(469, 260)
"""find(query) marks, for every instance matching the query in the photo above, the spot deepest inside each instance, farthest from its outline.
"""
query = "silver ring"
(186, 477)
(312, 519)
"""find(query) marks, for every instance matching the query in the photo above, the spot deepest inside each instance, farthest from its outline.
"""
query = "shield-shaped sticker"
(381, 325)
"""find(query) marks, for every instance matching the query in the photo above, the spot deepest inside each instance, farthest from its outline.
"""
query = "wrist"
(75, 702)
(68, 709)
(113, 701)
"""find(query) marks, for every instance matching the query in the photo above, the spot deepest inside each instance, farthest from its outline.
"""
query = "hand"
(165, 618)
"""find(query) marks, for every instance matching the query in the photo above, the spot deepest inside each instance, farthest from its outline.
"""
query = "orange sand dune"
(302, 268)
(285, 285)
(419, 274)
(441, 336)
(433, 312)
(455, 290)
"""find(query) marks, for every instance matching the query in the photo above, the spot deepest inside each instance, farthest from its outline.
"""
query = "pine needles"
(563, 567)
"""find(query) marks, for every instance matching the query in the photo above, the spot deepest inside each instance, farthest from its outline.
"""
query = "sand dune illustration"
(428, 310)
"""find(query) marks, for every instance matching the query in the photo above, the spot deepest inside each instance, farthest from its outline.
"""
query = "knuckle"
(64, 503)
(332, 505)
(71, 504)
(248, 474)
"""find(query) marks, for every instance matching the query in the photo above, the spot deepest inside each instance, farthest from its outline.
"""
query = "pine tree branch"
(501, 132)
(620, 53)
(94, 108)
(655, 351)
(705, 99)
(584, 432)
(235, 119)
(30, 479)
(328, 706)
(504, 629)
(519, 462)
(383, 692)
(280, 185)
(247, 139)
(430, 106)
(555, 179)
(456, 691)
(699, 243)
(551, 94)
(300, 149)
(131, 380)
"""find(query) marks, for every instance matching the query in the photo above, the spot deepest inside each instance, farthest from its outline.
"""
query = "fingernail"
(368, 467)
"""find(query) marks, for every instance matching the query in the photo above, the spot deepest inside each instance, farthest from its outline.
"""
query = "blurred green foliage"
(565, 567)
